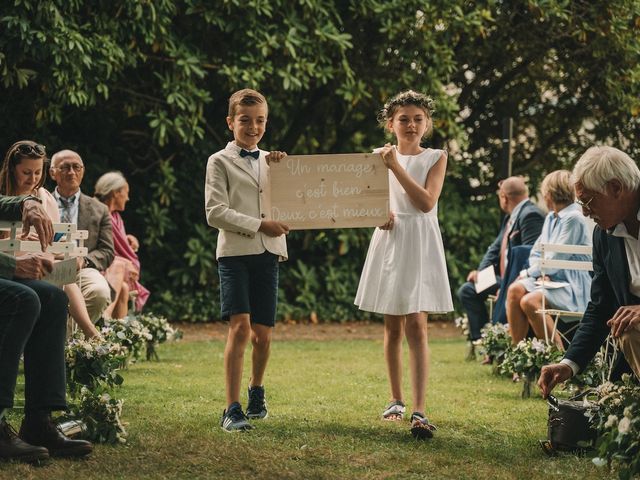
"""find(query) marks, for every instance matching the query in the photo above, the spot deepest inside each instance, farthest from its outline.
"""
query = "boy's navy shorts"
(249, 284)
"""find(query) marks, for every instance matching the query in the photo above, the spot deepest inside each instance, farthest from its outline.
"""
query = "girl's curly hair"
(402, 99)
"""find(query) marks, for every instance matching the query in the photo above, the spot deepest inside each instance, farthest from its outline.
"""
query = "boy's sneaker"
(257, 407)
(234, 420)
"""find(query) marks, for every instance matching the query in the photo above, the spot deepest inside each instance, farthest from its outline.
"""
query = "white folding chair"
(71, 244)
(546, 263)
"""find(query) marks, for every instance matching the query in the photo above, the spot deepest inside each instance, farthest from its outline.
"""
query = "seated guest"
(23, 173)
(113, 190)
(566, 225)
(67, 170)
(33, 319)
(521, 226)
(607, 184)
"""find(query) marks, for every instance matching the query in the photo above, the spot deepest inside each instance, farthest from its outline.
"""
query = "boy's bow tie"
(247, 153)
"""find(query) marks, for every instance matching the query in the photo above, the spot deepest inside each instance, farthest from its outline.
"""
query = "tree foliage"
(142, 86)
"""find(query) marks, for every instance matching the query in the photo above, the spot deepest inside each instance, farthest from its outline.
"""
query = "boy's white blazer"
(236, 201)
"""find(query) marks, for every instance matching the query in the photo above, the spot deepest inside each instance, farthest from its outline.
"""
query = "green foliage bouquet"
(101, 413)
(160, 330)
(527, 359)
(495, 341)
(129, 333)
(618, 424)
(92, 362)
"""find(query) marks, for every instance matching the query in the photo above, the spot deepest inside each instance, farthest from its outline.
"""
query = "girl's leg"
(393, 332)
(531, 303)
(261, 342)
(78, 310)
(416, 333)
(518, 323)
(237, 339)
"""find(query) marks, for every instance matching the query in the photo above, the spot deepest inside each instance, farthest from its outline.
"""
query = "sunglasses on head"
(35, 149)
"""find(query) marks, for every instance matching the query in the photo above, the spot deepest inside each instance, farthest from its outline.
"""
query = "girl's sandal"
(420, 426)
(394, 411)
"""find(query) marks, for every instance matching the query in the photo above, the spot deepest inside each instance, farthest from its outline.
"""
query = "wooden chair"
(546, 263)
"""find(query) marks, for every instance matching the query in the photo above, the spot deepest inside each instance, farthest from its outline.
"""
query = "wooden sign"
(330, 191)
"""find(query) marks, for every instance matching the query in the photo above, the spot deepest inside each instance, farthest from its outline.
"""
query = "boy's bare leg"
(393, 332)
(261, 341)
(416, 333)
(237, 339)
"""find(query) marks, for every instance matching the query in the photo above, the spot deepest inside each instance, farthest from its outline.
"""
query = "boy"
(237, 202)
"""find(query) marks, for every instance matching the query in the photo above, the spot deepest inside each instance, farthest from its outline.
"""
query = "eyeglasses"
(66, 168)
(35, 149)
(585, 205)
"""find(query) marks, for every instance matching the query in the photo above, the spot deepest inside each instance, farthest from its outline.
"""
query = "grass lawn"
(325, 400)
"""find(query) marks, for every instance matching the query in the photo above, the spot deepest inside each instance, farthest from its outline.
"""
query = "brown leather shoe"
(13, 448)
(45, 433)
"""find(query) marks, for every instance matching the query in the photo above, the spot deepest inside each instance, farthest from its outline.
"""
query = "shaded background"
(142, 87)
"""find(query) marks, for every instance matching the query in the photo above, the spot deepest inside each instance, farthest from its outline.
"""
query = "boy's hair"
(246, 96)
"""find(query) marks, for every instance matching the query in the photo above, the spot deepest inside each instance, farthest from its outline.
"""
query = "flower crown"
(408, 97)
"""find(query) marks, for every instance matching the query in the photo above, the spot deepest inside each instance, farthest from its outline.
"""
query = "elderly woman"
(23, 173)
(112, 189)
(564, 224)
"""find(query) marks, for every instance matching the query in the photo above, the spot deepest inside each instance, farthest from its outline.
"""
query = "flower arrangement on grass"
(128, 332)
(101, 414)
(495, 342)
(527, 359)
(160, 330)
(617, 420)
(93, 362)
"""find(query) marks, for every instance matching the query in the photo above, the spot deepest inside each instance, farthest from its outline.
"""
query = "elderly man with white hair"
(607, 185)
(67, 170)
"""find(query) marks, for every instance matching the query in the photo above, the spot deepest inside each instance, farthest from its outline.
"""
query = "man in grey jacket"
(67, 170)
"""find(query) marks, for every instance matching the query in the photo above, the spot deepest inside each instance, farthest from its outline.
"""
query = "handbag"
(569, 427)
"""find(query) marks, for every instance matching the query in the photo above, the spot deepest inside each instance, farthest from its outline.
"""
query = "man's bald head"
(511, 192)
(514, 187)
(58, 157)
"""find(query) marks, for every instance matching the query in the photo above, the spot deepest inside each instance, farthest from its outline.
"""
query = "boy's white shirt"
(236, 197)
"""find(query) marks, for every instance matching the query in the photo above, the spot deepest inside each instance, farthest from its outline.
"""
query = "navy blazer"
(609, 291)
(525, 230)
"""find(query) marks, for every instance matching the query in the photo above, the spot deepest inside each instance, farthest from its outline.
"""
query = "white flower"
(599, 461)
(628, 412)
(611, 421)
(624, 426)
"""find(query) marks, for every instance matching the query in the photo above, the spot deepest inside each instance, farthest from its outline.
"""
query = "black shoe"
(13, 448)
(257, 407)
(234, 420)
(45, 433)
(421, 428)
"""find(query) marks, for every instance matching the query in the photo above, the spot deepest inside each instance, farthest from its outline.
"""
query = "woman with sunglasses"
(22, 173)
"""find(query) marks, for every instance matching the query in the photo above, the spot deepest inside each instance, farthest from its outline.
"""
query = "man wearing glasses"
(67, 170)
(607, 184)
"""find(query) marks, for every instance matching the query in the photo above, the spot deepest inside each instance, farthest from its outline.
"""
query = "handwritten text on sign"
(330, 191)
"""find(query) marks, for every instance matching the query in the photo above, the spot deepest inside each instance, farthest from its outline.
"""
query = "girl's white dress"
(405, 270)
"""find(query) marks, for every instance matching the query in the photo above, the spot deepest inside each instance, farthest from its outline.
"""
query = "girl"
(405, 274)
(22, 173)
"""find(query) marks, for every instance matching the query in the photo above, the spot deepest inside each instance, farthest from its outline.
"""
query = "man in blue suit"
(607, 184)
(521, 226)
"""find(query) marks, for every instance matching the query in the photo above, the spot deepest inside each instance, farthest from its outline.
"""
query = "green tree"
(142, 87)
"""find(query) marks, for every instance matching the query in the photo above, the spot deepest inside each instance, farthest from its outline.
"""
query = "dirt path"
(309, 331)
